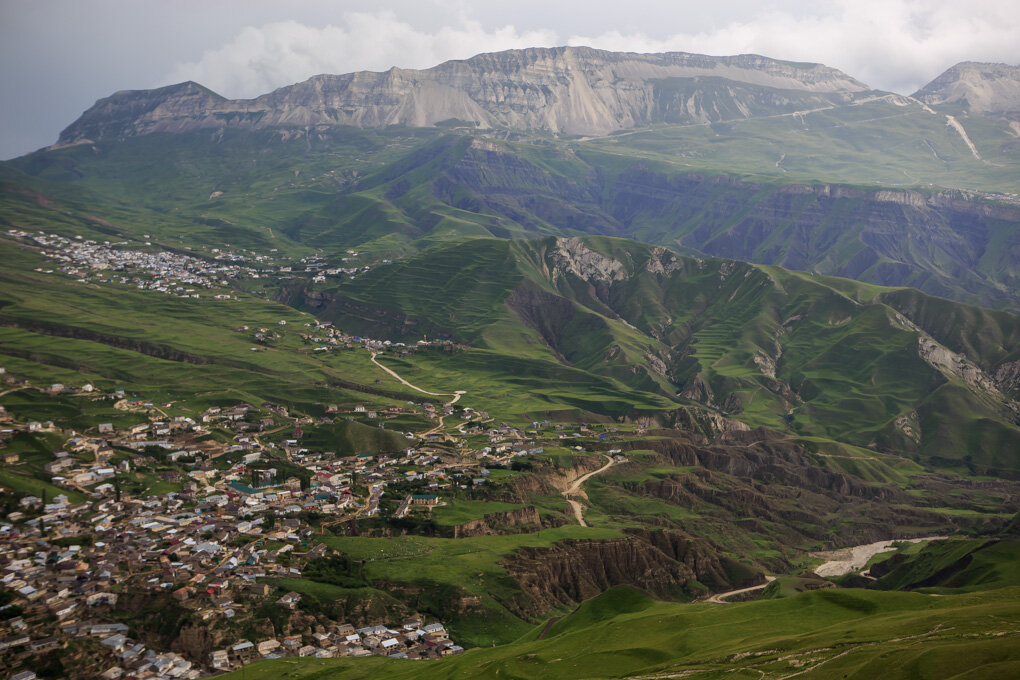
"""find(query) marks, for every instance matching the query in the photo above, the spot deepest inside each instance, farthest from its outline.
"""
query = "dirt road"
(575, 490)
(721, 598)
(456, 394)
(404, 382)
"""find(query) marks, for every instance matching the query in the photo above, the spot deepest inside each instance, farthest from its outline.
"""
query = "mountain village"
(216, 525)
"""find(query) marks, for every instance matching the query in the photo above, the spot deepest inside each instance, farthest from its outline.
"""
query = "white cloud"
(260, 59)
(888, 44)
(895, 45)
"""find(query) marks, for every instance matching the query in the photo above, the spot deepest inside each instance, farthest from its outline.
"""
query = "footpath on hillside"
(456, 394)
(575, 490)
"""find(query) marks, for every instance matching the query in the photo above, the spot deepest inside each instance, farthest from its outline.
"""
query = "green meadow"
(851, 634)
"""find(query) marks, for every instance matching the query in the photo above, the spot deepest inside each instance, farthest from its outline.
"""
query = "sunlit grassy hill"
(826, 634)
(810, 355)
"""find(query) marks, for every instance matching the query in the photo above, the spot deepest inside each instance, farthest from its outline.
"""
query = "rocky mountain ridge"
(572, 90)
(979, 87)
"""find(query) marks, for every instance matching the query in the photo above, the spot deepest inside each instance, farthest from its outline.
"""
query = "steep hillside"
(796, 165)
(816, 357)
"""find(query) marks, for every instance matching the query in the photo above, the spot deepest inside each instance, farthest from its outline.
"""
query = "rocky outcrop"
(199, 640)
(948, 361)
(573, 256)
(573, 90)
(663, 262)
(765, 456)
(518, 521)
(1007, 377)
(550, 481)
(666, 564)
(951, 363)
(766, 363)
(698, 390)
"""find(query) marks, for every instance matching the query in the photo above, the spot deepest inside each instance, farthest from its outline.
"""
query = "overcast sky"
(58, 56)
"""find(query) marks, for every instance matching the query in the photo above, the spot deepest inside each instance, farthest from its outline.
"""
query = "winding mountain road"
(456, 394)
(721, 598)
(575, 489)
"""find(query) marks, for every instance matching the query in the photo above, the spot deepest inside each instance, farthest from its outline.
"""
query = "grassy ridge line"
(849, 634)
(873, 143)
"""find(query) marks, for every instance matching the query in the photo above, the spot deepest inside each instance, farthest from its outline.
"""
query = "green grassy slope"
(807, 192)
(954, 566)
(165, 347)
(827, 634)
(817, 357)
(883, 141)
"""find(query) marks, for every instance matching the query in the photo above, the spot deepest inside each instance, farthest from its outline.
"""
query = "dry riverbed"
(846, 560)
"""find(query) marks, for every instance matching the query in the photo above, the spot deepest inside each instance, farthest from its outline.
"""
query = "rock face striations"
(572, 90)
(978, 87)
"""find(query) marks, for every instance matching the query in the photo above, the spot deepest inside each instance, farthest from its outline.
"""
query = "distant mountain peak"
(980, 87)
(173, 105)
(571, 90)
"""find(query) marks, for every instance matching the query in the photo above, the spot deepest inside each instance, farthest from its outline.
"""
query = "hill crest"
(572, 90)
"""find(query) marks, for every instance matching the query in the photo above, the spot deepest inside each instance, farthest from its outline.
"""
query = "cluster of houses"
(323, 336)
(409, 640)
(233, 514)
(175, 273)
(124, 657)
(203, 556)
(236, 523)
(163, 271)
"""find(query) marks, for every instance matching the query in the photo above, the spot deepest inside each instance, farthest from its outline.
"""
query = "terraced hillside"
(817, 357)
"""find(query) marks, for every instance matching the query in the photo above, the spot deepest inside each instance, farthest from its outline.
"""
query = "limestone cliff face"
(573, 90)
(166, 109)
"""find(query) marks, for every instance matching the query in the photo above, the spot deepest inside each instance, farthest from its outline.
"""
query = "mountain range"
(570, 90)
(564, 90)
(747, 157)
